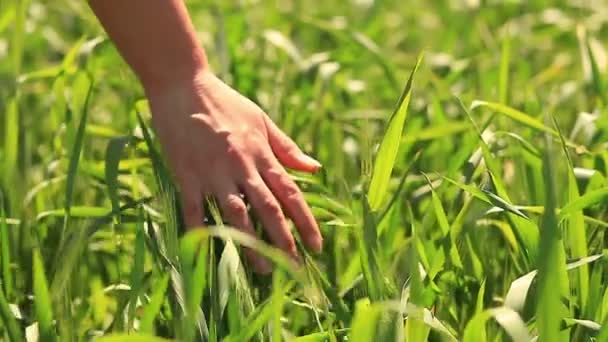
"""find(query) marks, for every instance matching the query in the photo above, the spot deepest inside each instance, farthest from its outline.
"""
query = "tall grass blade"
(157, 162)
(514, 114)
(415, 328)
(137, 271)
(278, 302)
(5, 253)
(552, 283)
(146, 323)
(505, 60)
(444, 225)
(587, 200)
(596, 77)
(387, 153)
(400, 187)
(367, 240)
(21, 7)
(82, 94)
(42, 299)
(363, 328)
(576, 236)
(114, 153)
(11, 142)
(193, 258)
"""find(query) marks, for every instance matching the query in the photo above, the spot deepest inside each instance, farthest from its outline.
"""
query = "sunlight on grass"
(463, 195)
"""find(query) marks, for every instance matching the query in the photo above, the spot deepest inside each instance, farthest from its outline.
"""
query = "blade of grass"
(11, 142)
(82, 93)
(137, 271)
(42, 301)
(262, 314)
(193, 258)
(278, 302)
(415, 329)
(598, 82)
(508, 319)
(518, 291)
(5, 253)
(21, 7)
(603, 334)
(514, 114)
(487, 197)
(341, 310)
(114, 153)
(552, 282)
(444, 225)
(576, 237)
(367, 241)
(160, 171)
(436, 132)
(399, 189)
(8, 319)
(505, 59)
(587, 200)
(146, 323)
(76, 212)
(389, 147)
(363, 328)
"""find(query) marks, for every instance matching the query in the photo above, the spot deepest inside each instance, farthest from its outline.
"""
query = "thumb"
(287, 152)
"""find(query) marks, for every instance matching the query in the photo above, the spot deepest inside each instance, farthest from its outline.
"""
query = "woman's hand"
(221, 144)
(218, 143)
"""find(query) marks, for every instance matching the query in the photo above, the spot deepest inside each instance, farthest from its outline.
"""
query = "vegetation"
(463, 195)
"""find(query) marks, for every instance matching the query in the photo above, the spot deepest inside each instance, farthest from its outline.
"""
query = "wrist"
(173, 73)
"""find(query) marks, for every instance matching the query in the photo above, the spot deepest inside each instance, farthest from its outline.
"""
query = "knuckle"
(235, 207)
(273, 174)
(290, 190)
(271, 207)
(254, 183)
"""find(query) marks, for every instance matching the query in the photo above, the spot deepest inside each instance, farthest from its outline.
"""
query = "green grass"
(464, 195)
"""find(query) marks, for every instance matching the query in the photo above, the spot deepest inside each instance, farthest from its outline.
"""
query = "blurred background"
(84, 195)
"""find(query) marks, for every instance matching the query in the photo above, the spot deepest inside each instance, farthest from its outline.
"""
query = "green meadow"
(463, 194)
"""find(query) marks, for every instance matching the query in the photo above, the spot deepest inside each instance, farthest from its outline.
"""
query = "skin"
(218, 143)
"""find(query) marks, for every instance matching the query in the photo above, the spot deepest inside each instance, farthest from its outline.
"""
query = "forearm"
(155, 37)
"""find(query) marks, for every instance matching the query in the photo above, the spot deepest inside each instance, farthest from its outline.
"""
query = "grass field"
(464, 197)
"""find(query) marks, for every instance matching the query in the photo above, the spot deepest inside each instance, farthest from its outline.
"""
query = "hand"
(221, 144)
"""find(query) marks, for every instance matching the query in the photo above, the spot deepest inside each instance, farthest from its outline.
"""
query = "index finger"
(289, 195)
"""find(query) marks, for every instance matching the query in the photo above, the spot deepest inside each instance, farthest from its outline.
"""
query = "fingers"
(292, 200)
(235, 213)
(270, 213)
(192, 204)
(287, 152)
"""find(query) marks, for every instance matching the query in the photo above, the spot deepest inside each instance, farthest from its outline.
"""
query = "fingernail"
(317, 244)
(313, 161)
